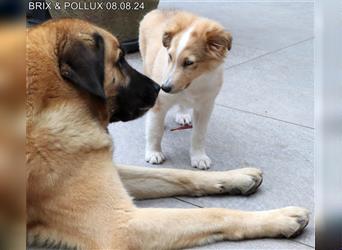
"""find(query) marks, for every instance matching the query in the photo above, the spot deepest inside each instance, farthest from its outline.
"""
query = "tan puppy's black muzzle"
(137, 97)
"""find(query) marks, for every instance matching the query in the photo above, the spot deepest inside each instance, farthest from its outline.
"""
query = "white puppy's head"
(194, 46)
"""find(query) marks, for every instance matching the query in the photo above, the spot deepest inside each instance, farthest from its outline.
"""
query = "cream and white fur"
(167, 40)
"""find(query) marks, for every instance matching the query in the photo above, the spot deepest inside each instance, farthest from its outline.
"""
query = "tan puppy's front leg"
(181, 228)
(144, 183)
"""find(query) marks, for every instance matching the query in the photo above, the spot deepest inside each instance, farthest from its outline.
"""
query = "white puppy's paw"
(289, 221)
(183, 119)
(201, 161)
(154, 157)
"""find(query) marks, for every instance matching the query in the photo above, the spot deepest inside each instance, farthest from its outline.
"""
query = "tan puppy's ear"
(81, 62)
(218, 42)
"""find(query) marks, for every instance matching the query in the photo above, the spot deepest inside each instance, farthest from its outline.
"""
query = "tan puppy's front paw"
(154, 157)
(289, 221)
(201, 161)
(244, 181)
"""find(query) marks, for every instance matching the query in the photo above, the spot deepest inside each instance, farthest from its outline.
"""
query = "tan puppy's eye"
(187, 62)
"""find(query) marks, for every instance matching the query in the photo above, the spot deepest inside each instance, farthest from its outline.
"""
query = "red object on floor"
(186, 126)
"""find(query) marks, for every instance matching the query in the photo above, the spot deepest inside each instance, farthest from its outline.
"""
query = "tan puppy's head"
(194, 46)
(92, 60)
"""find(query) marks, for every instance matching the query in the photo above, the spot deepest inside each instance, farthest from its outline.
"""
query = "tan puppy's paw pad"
(200, 161)
(154, 157)
(183, 119)
(291, 221)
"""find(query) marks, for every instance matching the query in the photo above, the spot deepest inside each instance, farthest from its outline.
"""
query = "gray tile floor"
(263, 115)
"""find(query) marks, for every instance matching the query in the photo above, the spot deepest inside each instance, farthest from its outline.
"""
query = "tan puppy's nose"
(156, 87)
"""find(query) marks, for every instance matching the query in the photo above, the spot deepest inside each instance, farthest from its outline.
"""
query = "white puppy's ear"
(170, 32)
(167, 38)
(218, 42)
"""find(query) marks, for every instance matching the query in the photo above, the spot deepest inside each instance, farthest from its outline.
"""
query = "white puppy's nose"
(167, 86)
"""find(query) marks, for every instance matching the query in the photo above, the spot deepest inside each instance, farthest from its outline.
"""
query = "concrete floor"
(263, 115)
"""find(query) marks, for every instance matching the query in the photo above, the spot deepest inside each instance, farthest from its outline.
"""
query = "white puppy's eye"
(187, 62)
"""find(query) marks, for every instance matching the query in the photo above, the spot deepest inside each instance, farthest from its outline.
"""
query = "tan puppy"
(78, 81)
(185, 54)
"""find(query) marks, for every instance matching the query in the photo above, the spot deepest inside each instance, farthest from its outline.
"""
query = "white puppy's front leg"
(201, 115)
(154, 133)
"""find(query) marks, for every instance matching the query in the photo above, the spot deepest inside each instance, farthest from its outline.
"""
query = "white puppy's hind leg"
(183, 116)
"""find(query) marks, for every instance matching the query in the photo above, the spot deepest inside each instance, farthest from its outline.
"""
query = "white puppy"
(185, 54)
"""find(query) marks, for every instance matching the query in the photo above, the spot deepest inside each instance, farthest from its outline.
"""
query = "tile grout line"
(249, 47)
(302, 243)
(268, 53)
(188, 202)
(264, 116)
